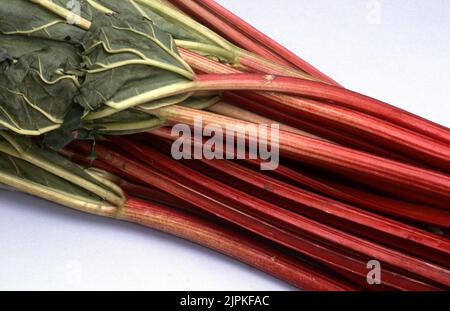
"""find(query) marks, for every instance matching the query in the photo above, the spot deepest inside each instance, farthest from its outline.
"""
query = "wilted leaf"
(37, 83)
(125, 57)
(64, 135)
(45, 165)
(30, 173)
(26, 18)
(147, 9)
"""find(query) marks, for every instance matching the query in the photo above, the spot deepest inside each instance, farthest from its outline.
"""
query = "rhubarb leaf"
(71, 128)
(126, 122)
(31, 173)
(36, 84)
(44, 166)
(151, 10)
(123, 55)
(126, 56)
(22, 17)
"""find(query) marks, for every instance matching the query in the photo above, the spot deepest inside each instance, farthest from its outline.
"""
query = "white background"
(395, 50)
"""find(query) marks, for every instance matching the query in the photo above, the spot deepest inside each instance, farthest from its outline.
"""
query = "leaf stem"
(63, 173)
(239, 58)
(182, 18)
(64, 13)
(59, 197)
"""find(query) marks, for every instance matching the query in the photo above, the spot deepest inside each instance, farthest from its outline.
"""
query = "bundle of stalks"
(94, 112)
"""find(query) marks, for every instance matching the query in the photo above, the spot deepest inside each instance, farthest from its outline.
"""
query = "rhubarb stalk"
(285, 218)
(364, 199)
(233, 243)
(182, 190)
(329, 155)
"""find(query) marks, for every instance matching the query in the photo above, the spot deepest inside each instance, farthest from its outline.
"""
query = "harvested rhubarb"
(180, 116)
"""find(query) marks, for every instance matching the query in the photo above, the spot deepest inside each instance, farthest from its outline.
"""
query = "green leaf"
(19, 175)
(44, 166)
(201, 101)
(126, 122)
(126, 56)
(64, 135)
(30, 173)
(37, 83)
(160, 18)
(23, 17)
(123, 55)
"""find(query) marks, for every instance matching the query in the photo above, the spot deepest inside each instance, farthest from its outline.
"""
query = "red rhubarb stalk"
(327, 255)
(329, 155)
(402, 140)
(380, 229)
(230, 242)
(269, 108)
(340, 96)
(334, 208)
(371, 201)
(364, 199)
(232, 111)
(284, 218)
